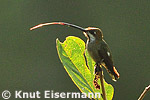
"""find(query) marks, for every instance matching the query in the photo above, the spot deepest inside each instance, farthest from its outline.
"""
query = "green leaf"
(71, 55)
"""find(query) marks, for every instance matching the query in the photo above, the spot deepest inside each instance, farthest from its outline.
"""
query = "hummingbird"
(96, 46)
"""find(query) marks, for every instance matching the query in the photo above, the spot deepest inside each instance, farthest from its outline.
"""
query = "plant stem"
(102, 83)
(144, 93)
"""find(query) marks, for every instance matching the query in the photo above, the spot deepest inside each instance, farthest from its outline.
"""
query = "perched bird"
(96, 46)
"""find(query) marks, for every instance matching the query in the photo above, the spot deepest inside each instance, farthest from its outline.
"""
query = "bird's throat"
(91, 37)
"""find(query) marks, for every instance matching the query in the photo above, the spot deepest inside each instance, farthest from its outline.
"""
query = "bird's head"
(93, 33)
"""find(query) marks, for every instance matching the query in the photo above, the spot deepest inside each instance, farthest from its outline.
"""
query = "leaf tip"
(57, 40)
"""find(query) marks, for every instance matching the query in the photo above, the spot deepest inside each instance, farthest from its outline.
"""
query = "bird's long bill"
(58, 23)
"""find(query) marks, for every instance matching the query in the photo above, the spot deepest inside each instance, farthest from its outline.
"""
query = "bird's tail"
(115, 75)
(112, 72)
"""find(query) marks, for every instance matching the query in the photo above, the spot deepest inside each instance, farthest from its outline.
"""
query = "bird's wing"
(105, 53)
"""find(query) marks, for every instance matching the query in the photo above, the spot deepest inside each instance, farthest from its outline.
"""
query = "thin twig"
(102, 84)
(144, 93)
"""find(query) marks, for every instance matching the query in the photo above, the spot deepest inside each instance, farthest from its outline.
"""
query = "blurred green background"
(29, 60)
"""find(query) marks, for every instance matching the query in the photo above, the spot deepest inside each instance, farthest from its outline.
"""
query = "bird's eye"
(93, 32)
